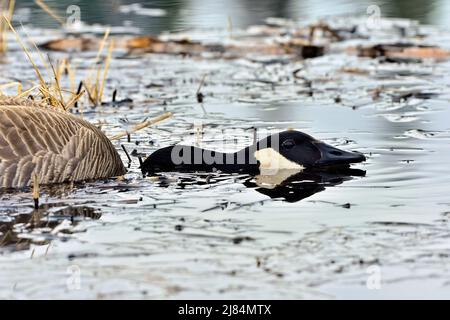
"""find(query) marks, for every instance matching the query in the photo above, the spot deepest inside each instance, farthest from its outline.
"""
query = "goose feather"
(55, 145)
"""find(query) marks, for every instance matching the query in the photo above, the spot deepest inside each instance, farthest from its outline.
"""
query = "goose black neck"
(190, 158)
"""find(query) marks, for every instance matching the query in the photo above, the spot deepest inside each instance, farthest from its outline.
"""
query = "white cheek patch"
(271, 162)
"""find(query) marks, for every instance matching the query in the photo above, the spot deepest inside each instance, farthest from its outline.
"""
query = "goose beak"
(331, 156)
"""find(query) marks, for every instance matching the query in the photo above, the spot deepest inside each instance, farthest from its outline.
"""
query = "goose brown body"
(56, 146)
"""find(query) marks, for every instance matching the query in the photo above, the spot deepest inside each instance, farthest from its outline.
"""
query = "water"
(220, 236)
(181, 15)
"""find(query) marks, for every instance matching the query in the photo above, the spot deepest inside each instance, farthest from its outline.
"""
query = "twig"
(126, 152)
(56, 77)
(200, 95)
(105, 71)
(80, 86)
(36, 191)
(142, 125)
(3, 27)
(114, 95)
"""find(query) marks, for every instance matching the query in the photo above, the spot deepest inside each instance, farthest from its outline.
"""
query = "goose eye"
(288, 144)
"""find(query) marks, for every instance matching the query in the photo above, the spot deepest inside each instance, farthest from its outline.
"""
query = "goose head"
(297, 150)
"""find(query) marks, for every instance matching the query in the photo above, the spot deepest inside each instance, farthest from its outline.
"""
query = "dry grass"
(52, 92)
(94, 83)
(50, 12)
(12, 84)
(6, 9)
(26, 51)
(142, 125)
(96, 78)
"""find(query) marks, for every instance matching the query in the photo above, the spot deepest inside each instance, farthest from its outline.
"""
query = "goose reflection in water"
(289, 185)
(296, 186)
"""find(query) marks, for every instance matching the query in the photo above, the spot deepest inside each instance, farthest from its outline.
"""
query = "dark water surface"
(223, 236)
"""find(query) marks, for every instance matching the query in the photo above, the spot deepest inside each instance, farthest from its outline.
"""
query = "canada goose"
(54, 145)
(293, 150)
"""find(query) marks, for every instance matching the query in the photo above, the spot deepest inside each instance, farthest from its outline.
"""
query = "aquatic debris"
(41, 225)
(148, 44)
(126, 153)
(116, 102)
(240, 239)
(400, 224)
(399, 60)
(198, 93)
(141, 43)
(303, 49)
(418, 94)
(353, 70)
(71, 44)
(402, 51)
(297, 48)
(320, 30)
(421, 134)
(334, 34)
(395, 117)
